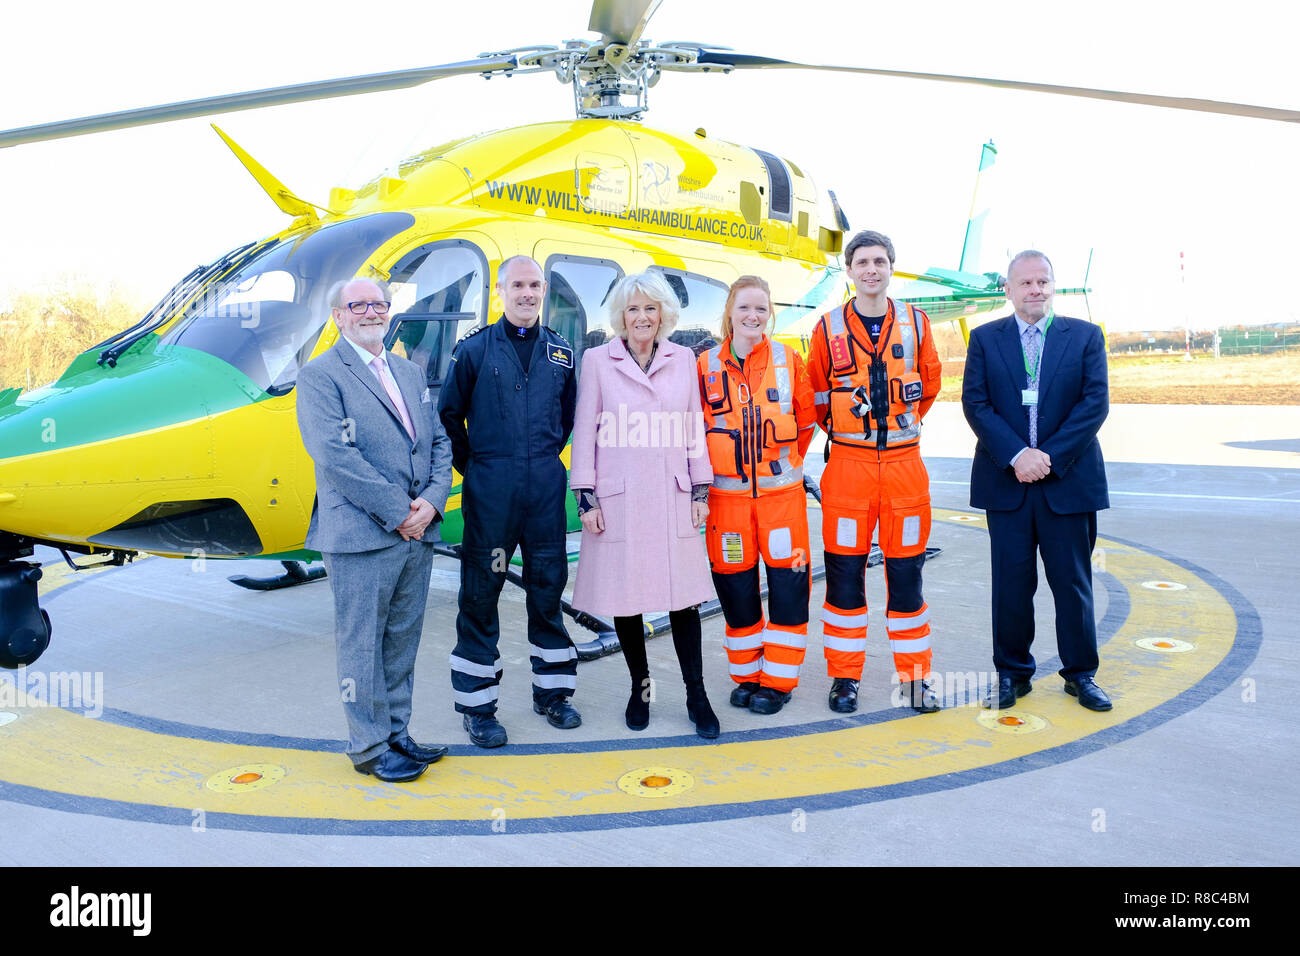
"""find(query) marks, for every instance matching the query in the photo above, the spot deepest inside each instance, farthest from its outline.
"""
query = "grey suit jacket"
(368, 471)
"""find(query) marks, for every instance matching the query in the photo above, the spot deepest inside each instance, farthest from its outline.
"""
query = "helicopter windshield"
(265, 318)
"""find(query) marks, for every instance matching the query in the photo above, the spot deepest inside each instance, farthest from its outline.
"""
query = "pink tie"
(386, 379)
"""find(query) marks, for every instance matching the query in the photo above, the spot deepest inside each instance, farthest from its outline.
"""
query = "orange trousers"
(741, 528)
(860, 490)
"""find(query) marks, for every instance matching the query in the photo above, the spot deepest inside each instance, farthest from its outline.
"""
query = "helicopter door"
(439, 294)
(427, 339)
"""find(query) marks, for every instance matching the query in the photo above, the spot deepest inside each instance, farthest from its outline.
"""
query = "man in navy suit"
(1035, 393)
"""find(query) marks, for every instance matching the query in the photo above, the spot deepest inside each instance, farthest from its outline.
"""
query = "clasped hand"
(414, 525)
(1034, 464)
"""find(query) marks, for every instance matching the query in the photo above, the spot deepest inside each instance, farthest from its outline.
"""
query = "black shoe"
(407, 747)
(921, 697)
(560, 713)
(768, 700)
(485, 730)
(1006, 692)
(637, 715)
(742, 693)
(392, 767)
(700, 712)
(1089, 694)
(844, 695)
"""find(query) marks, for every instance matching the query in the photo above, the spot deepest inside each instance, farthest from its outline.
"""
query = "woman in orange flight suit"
(759, 415)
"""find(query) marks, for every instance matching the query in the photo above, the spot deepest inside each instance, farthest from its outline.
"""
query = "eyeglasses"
(359, 308)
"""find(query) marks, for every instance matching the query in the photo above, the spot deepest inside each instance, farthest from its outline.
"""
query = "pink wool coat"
(638, 439)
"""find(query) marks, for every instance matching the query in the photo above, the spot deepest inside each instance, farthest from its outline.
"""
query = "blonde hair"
(654, 287)
(745, 282)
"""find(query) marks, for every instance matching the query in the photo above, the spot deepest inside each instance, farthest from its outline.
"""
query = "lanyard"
(1032, 373)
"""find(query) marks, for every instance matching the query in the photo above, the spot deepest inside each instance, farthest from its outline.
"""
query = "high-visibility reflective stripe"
(475, 698)
(907, 623)
(781, 670)
(821, 398)
(743, 670)
(715, 358)
(746, 643)
(837, 321)
(553, 681)
(780, 544)
(913, 646)
(869, 436)
(850, 644)
(474, 670)
(782, 374)
(906, 320)
(786, 639)
(553, 655)
(844, 620)
(731, 483)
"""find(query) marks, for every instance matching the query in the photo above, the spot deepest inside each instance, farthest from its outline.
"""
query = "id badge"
(733, 548)
(1029, 396)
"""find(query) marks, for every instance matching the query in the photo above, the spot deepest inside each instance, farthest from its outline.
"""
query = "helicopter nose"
(100, 445)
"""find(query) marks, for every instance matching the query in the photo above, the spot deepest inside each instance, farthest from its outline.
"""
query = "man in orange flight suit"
(759, 414)
(875, 373)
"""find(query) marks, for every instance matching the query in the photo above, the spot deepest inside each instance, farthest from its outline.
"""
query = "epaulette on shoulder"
(469, 335)
(563, 341)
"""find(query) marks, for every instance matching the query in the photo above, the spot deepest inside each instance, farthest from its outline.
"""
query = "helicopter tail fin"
(979, 211)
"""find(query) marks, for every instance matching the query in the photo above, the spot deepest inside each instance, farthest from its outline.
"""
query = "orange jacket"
(759, 418)
(869, 397)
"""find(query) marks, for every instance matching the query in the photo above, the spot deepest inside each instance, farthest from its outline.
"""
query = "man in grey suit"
(383, 472)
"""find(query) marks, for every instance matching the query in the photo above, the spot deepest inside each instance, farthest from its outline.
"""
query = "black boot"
(700, 711)
(637, 714)
(631, 637)
(686, 642)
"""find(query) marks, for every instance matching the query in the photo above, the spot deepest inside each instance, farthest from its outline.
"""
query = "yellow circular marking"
(1164, 586)
(655, 782)
(242, 779)
(1010, 721)
(1166, 645)
(7, 717)
(155, 773)
(965, 518)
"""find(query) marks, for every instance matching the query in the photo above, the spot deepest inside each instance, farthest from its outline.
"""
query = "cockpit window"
(265, 318)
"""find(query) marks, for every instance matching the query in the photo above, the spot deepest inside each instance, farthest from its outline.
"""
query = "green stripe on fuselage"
(151, 387)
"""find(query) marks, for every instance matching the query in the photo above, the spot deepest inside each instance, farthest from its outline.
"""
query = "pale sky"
(1137, 184)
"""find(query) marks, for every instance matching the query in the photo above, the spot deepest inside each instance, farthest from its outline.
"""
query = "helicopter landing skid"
(295, 573)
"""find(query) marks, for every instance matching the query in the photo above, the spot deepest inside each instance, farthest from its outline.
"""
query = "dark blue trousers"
(508, 503)
(1065, 543)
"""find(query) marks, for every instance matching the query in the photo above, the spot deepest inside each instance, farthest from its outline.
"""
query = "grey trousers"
(379, 601)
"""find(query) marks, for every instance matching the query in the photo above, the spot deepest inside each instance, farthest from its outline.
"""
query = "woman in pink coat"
(641, 477)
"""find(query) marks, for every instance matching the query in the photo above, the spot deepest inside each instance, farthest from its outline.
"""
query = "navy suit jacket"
(1073, 400)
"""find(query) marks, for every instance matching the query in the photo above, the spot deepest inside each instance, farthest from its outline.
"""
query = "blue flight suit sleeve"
(454, 403)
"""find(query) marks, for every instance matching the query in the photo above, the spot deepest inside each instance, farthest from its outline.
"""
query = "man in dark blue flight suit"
(507, 405)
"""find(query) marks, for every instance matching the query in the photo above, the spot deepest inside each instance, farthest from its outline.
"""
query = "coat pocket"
(909, 525)
(681, 505)
(612, 497)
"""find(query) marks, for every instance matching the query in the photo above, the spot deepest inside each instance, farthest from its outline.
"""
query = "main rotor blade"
(741, 61)
(621, 21)
(298, 93)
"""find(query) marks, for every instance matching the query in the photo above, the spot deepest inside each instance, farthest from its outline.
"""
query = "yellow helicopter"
(178, 436)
